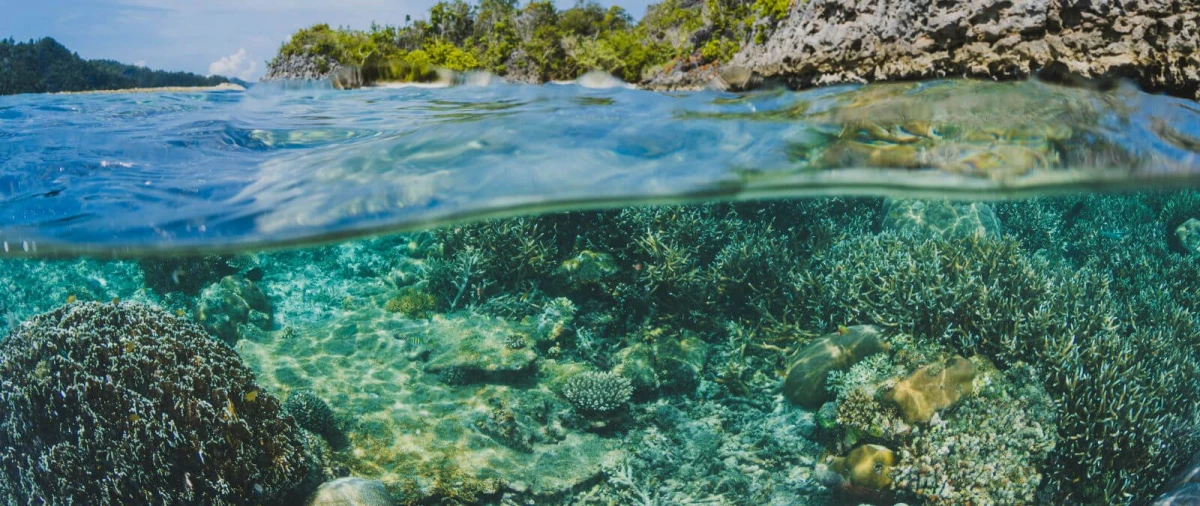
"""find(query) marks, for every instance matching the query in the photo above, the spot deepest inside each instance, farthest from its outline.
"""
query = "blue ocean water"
(286, 164)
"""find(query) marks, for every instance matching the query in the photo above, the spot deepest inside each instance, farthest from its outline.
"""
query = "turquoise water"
(931, 293)
(288, 164)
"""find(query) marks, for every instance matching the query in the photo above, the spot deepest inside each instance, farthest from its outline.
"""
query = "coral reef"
(991, 450)
(932, 388)
(597, 393)
(225, 307)
(805, 380)
(1080, 324)
(89, 386)
(1183, 489)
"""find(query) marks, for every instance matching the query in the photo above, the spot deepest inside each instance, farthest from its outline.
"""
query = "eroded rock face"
(836, 41)
(302, 68)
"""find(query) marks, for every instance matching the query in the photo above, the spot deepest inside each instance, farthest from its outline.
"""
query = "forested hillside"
(46, 66)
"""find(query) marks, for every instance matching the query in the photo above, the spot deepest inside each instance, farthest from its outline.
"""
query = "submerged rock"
(669, 365)
(351, 491)
(866, 466)
(837, 41)
(1188, 234)
(235, 301)
(805, 381)
(932, 388)
(940, 217)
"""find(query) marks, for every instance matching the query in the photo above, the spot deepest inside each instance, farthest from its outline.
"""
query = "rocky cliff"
(301, 67)
(1152, 42)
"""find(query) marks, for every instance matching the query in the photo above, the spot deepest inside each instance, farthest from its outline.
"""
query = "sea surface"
(943, 292)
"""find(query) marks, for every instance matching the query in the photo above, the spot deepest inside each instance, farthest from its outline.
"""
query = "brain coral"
(125, 404)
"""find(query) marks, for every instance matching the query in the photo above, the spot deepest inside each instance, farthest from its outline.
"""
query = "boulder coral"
(932, 388)
(126, 404)
(805, 381)
(866, 466)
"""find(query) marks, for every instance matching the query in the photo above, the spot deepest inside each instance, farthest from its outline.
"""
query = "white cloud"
(237, 65)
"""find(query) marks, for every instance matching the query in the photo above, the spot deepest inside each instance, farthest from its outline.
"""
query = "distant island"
(46, 66)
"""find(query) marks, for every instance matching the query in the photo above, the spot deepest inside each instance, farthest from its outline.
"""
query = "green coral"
(412, 302)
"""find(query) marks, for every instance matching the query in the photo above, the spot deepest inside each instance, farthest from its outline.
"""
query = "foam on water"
(291, 163)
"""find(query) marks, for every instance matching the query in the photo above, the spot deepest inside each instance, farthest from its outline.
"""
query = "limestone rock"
(351, 491)
(940, 217)
(307, 67)
(933, 388)
(805, 381)
(234, 301)
(848, 41)
(1188, 234)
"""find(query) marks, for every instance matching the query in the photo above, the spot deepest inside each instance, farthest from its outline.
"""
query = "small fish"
(178, 312)
(116, 300)
(250, 396)
(71, 299)
(1114, 234)
(134, 417)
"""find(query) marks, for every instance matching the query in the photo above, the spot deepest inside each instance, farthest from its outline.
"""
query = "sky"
(233, 38)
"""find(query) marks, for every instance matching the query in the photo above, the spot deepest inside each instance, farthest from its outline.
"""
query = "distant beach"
(162, 89)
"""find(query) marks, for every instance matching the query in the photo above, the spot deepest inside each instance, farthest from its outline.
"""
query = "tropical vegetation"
(538, 42)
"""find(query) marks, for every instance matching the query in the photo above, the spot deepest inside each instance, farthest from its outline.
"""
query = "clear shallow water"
(130, 173)
(669, 354)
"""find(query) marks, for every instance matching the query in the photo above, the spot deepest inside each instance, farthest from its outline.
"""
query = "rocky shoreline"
(824, 42)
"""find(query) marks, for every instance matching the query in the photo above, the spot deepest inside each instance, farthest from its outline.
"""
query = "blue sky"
(228, 37)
